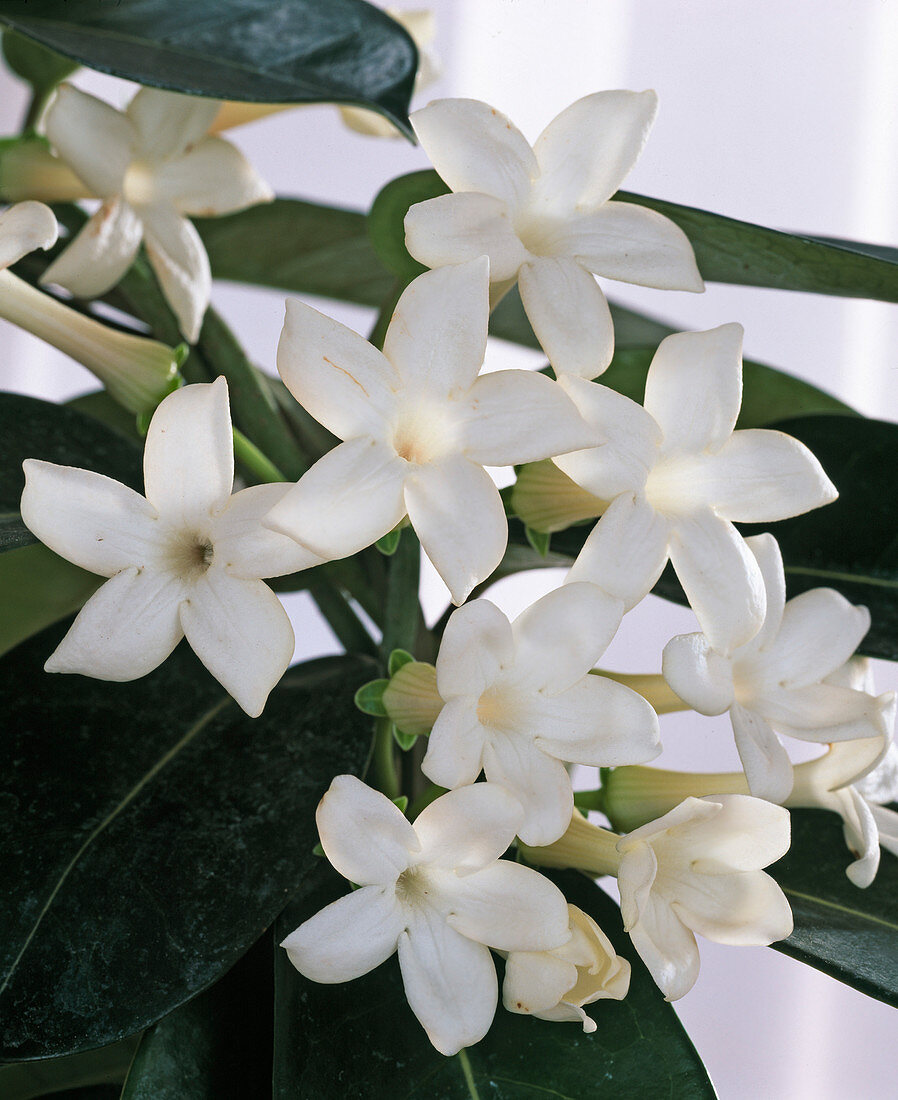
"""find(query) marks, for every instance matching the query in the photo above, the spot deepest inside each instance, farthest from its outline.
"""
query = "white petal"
(819, 632)
(211, 178)
(626, 551)
(437, 496)
(476, 148)
(349, 499)
(764, 760)
(633, 244)
(86, 518)
(188, 462)
(862, 837)
(100, 254)
(178, 256)
(760, 476)
(822, 712)
(454, 754)
(743, 910)
(510, 907)
(694, 388)
(596, 722)
(740, 834)
(698, 674)
(585, 152)
(636, 876)
(535, 981)
(468, 829)
(125, 630)
(364, 835)
(477, 643)
(450, 983)
(242, 634)
(452, 229)
(23, 228)
(569, 315)
(561, 636)
(244, 548)
(437, 336)
(625, 447)
(667, 947)
(720, 577)
(770, 561)
(167, 122)
(96, 140)
(538, 781)
(339, 378)
(349, 937)
(887, 823)
(517, 416)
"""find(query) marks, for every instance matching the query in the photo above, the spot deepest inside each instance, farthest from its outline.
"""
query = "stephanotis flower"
(436, 892)
(184, 561)
(543, 215)
(555, 985)
(519, 702)
(780, 682)
(418, 425)
(153, 166)
(136, 371)
(677, 476)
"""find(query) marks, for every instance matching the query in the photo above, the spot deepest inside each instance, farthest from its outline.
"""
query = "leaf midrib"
(853, 578)
(835, 906)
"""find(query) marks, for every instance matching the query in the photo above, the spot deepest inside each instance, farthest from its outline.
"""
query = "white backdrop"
(778, 113)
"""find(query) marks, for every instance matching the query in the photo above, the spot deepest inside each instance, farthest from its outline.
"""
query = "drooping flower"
(543, 215)
(437, 892)
(519, 703)
(153, 166)
(418, 427)
(555, 985)
(136, 371)
(780, 682)
(677, 476)
(185, 560)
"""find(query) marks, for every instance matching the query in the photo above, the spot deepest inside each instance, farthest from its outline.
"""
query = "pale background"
(779, 113)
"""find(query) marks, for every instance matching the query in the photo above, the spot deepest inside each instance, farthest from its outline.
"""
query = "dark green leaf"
(387, 217)
(270, 51)
(215, 1047)
(849, 933)
(359, 1040)
(106, 409)
(30, 428)
(42, 68)
(106, 1065)
(151, 831)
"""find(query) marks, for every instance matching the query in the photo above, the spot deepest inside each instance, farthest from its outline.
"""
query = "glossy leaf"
(358, 1040)
(152, 831)
(849, 933)
(270, 51)
(42, 68)
(104, 1066)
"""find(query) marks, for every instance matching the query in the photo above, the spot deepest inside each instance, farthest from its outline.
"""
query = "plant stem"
(590, 800)
(384, 762)
(253, 459)
(403, 611)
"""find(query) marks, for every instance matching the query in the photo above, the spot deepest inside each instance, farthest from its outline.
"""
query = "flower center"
(413, 888)
(538, 233)
(499, 708)
(190, 555)
(139, 187)
(673, 486)
(424, 433)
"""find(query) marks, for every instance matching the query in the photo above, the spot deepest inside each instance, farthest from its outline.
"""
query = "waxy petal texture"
(100, 254)
(24, 228)
(94, 139)
(452, 229)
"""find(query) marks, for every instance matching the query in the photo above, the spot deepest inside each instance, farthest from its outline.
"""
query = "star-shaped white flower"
(554, 985)
(698, 869)
(519, 702)
(437, 892)
(677, 476)
(151, 165)
(544, 218)
(184, 561)
(418, 425)
(780, 682)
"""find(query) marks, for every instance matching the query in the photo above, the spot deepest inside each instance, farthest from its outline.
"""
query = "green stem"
(384, 762)
(590, 800)
(39, 97)
(253, 459)
(403, 611)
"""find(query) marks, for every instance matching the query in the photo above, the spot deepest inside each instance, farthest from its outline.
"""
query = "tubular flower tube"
(418, 426)
(153, 166)
(520, 703)
(697, 869)
(185, 560)
(545, 218)
(437, 892)
(29, 170)
(781, 682)
(678, 476)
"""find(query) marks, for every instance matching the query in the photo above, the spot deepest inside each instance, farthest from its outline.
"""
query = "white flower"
(151, 166)
(698, 869)
(437, 892)
(518, 703)
(419, 426)
(677, 476)
(544, 217)
(24, 228)
(781, 681)
(184, 561)
(554, 985)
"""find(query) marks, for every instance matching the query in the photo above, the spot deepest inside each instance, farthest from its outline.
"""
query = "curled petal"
(744, 910)
(764, 760)
(824, 712)
(667, 947)
(476, 645)
(178, 256)
(862, 837)
(538, 781)
(698, 674)
(452, 229)
(100, 254)
(729, 832)
(819, 632)
(212, 178)
(770, 561)
(23, 228)
(466, 830)
(166, 123)
(94, 138)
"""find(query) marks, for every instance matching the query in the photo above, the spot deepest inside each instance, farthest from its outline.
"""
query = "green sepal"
(388, 544)
(539, 540)
(403, 740)
(401, 802)
(369, 698)
(398, 658)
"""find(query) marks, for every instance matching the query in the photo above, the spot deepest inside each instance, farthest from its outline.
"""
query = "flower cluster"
(418, 423)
